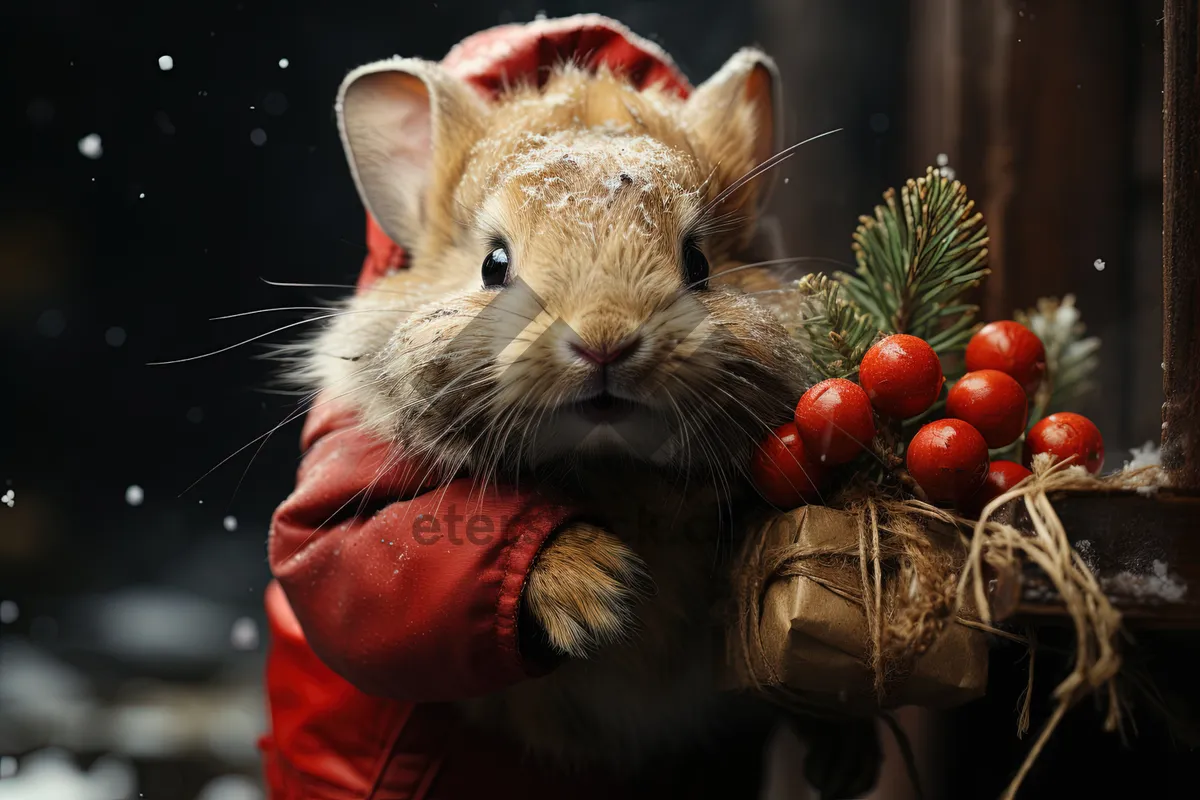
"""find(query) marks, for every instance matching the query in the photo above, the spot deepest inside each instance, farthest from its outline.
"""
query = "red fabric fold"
(406, 591)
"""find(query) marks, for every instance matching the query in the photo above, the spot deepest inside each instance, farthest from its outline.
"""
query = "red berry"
(1002, 476)
(902, 376)
(948, 459)
(1064, 435)
(1011, 348)
(782, 473)
(994, 404)
(835, 421)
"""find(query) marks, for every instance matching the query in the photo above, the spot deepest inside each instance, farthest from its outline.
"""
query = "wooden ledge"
(1144, 550)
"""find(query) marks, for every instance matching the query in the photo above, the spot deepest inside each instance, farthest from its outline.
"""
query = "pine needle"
(835, 331)
(919, 254)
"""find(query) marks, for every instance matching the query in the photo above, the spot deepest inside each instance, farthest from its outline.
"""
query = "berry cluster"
(900, 377)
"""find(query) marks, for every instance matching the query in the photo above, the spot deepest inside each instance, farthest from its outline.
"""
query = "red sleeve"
(403, 590)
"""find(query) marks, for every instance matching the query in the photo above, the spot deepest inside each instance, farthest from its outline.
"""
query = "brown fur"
(594, 186)
(583, 589)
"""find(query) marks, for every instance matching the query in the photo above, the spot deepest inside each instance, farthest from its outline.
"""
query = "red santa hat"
(511, 54)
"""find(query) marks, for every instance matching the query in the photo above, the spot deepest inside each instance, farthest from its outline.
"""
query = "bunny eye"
(695, 266)
(495, 268)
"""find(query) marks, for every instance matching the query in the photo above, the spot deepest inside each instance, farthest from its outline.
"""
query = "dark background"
(83, 252)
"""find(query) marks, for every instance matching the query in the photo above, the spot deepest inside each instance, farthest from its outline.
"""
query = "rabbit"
(579, 311)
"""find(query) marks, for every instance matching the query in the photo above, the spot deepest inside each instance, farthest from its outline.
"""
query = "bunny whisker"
(291, 417)
(765, 166)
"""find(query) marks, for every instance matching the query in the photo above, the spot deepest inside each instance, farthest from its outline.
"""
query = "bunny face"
(573, 289)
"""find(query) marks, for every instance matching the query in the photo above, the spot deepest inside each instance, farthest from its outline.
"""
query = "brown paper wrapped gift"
(854, 610)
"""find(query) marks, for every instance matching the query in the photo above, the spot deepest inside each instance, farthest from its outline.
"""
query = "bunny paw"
(583, 589)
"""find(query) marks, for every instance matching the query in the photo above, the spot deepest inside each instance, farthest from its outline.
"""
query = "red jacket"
(377, 619)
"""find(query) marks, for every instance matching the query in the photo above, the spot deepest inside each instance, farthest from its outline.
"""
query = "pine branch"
(1071, 356)
(917, 257)
(832, 328)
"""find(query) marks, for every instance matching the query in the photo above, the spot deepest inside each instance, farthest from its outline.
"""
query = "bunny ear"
(736, 117)
(406, 125)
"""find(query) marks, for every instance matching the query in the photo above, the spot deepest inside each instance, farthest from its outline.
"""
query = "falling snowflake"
(1099, 264)
(166, 63)
(9, 612)
(230, 523)
(943, 160)
(114, 336)
(141, 195)
(283, 63)
(9, 498)
(8, 766)
(134, 495)
(244, 634)
(91, 146)
(258, 137)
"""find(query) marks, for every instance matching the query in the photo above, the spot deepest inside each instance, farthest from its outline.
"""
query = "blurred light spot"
(157, 625)
(8, 766)
(879, 122)
(230, 787)
(244, 634)
(275, 103)
(283, 63)
(9, 612)
(166, 63)
(91, 146)
(9, 498)
(114, 336)
(258, 136)
(942, 159)
(134, 495)
(232, 732)
(111, 776)
(195, 415)
(52, 323)
(146, 731)
(230, 523)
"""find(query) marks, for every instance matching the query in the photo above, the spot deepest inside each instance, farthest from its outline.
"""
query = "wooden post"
(1181, 242)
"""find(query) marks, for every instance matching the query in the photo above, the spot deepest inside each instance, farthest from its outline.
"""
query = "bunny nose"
(607, 355)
